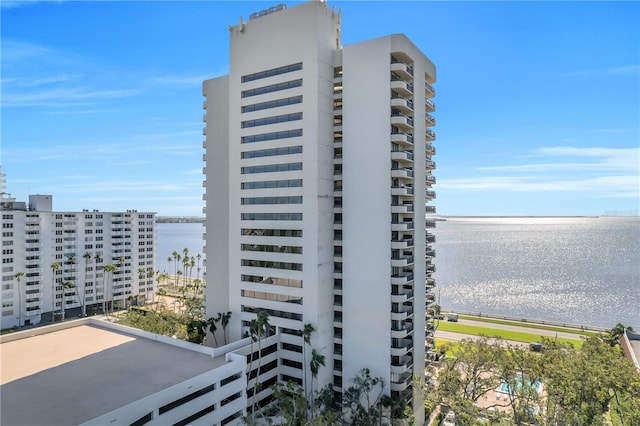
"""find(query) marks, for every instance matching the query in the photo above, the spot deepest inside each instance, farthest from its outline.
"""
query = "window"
(294, 199)
(271, 168)
(271, 216)
(272, 120)
(286, 183)
(286, 282)
(290, 266)
(272, 72)
(272, 296)
(273, 312)
(272, 248)
(272, 88)
(272, 136)
(272, 232)
(271, 152)
(272, 104)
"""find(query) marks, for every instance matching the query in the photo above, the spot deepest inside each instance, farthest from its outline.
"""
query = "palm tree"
(176, 258)
(19, 275)
(87, 258)
(306, 334)
(54, 267)
(213, 327)
(66, 286)
(224, 321)
(261, 329)
(317, 360)
(108, 270)
(198, 257)
(121, 261)
(71, 260)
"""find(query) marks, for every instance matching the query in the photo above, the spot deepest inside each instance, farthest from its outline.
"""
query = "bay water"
(577, 270)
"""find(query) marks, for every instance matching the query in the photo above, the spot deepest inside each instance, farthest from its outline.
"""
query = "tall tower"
(318, 167)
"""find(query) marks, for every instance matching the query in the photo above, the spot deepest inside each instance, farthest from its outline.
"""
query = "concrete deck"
(70, 376)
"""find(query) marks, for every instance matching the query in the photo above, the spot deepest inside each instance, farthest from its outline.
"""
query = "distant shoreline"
(179, 219)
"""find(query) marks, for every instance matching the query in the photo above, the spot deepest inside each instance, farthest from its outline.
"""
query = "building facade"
(318, 183)
(53, 263)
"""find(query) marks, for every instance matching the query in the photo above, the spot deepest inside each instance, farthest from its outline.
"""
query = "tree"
(121, 263)
(108, 270)
(362, 400)
(317, 361)
(19, 275)
(87, 259)
(613, 336)
(259, 329)
(66, 286)
(224, 321)
(213, 327)
(176, 258)
(307, 330)
(54, 268)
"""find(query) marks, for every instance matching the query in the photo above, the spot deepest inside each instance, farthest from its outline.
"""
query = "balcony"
(402, 138)
(429, 195)
(34, 312)
(429, 238)
(430, 252)
(402, 278)
(402, 173)
(429, 91)
(402, 382)
(402, 156)
(430, 209)
(401, 295)
(430, 165)
(429, 105)
(430, 135)
(401, 208)
(430, 180)
(430, 283)
(406, 191)
(429, 120)
(401, 348)
(402, 70)
(402, 244)
(401, 226)
(402, 104)
(430, 223)
(402, 261)
(402, 121)
(429, 149)
(402, 87)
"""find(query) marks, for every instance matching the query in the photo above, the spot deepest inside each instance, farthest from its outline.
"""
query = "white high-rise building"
(318, 180)
(80, 245)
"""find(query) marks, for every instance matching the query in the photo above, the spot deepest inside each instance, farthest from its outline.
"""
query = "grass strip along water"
(530, 325)
(516, 336)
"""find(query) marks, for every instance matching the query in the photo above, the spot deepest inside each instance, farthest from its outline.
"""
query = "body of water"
(573, 270)
(172, 237)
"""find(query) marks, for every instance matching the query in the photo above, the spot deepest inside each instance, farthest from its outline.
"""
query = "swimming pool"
(506, 388)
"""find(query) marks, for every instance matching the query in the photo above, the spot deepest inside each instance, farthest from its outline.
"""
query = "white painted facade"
(34, 238)
(337, 239)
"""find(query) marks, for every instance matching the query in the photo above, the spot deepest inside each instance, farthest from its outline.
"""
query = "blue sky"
(538, 103)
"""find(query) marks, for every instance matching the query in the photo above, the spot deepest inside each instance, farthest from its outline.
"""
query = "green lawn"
(530, 325)
(517, 336)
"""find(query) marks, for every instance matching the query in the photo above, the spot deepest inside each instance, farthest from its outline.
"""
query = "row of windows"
(270, 73)
(285, 150)
(272, 120)
(272, 296)
(284, 282)
(294, 199)
(273, 312)
(272, 232)
(271, 88)
(270, 168)
(286, 183)
(289, 266)
(271, 216)
(272, 248)
(273, 104)
(272, 136)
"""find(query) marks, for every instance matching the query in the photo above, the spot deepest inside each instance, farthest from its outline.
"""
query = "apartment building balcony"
(402, 278)
(402, 156)
(403, 88)
(401, 138)
(35, 304)
(430, 223)
(401, 294)
(431, 268)
(430, 165)
(429, 284)
(429, 120)
(429, 105)
(402, 261)
(402, 121)
(402, 173)
(402, 104)
(34, 287)
(430, 252)
(402, 367)
(402, 70)
(403, 190)
(429, 91)
(430, 209)
(401, 208)
(430, 135)
(402, 244)
(401, 347)
(33, 312)
(430, 180)
(402, 382)
(402, 226)
(430, 238)
(429, 149)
